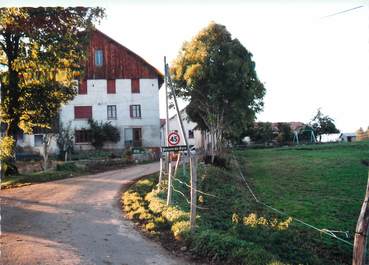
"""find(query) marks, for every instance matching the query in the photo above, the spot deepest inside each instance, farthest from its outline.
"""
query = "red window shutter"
(82, 87)
(83, 112)
(131, 111)
(111, 86)
(135, 85)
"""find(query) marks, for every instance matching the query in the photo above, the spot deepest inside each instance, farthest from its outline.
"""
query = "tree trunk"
(45, 153)
(212, 146)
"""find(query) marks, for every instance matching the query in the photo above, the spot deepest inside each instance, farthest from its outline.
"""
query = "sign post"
(193, 164)
(173, 140)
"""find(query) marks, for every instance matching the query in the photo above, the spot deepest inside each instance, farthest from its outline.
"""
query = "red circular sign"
(173, 138)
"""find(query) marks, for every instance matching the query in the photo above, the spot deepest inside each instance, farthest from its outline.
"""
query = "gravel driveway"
(76, 221)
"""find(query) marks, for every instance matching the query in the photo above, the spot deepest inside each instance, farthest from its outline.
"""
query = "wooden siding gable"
(118, 61)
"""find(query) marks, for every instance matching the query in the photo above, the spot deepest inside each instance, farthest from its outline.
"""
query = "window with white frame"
(135, 111)
(112, 112)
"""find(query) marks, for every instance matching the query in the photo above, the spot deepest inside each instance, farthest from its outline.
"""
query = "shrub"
(69, 166)
(102, 132)
(219, 161)
(181, 229)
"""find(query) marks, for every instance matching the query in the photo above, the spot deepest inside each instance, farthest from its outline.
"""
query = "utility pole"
(361, 232)
(193, 164)
(168, 160)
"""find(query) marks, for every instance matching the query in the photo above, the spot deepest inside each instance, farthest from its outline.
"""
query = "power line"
(341, 12)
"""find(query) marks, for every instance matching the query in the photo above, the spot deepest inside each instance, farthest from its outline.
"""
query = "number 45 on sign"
(173, 138)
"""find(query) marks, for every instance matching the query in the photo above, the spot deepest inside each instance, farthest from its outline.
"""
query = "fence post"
(361, 232)
(193, 166)
(169, 195)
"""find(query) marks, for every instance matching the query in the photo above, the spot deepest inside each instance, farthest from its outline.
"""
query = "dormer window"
(99, 57)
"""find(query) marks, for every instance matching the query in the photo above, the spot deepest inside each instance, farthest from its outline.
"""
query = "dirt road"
(75, 221)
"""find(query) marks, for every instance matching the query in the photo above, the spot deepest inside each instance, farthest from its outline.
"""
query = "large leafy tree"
(323, 124)
(217, 75)
(42, 51)
(260, 132)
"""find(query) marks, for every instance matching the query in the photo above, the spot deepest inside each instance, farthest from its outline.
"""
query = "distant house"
(189, 127)
(294, 125)
(118, 86)
(347, 137)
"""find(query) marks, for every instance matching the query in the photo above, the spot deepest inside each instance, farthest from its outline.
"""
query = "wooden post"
(193, 166)
(161, 170)
(184, 162)
(177, 164)
(361, 232)
(169, 195)
(168, 162)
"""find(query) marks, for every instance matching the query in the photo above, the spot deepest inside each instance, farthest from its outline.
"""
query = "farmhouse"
(347, 137)
(118, 86)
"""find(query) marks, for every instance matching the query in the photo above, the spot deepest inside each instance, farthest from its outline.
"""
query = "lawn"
(321, 184)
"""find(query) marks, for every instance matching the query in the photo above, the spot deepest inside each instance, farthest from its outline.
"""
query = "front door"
(137, 137)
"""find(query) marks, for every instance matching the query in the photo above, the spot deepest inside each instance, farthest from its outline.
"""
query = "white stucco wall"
(99, 99)
(187, 124)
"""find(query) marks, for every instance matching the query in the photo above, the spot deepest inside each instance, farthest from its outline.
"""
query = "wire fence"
(328, 232)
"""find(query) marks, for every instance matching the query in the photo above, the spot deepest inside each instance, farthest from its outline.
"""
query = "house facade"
(119, 87)
(189, 127)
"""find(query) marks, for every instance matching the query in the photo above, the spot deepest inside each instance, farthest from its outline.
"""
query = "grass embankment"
(323, 185)
(62, 171)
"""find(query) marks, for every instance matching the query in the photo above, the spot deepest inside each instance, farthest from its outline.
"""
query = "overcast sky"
(306, 58)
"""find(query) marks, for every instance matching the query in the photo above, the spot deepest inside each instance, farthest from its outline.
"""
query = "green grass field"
(321, 184)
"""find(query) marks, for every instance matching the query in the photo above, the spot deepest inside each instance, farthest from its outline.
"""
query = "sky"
(306, 57)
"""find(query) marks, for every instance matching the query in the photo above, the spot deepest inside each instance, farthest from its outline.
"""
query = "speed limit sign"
(173, 138)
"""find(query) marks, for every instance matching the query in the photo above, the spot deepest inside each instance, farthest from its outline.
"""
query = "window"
(112, 112)
(82, 136)
(82, 87)
(135, 111)
(38, 139)
(135, 85)
(82, 112)
(99, 58)
(190, 134)
(111, 86)
(133, 137)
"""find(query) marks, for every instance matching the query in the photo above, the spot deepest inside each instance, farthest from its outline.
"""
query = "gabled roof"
(139, 58)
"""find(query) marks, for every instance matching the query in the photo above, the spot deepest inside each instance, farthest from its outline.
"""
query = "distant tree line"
(282, 133)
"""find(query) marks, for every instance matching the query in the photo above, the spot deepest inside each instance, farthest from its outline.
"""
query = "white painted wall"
(187, 124)
(99, 99)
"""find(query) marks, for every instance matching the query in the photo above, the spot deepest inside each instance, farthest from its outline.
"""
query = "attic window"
(99, 57)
